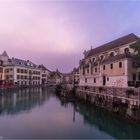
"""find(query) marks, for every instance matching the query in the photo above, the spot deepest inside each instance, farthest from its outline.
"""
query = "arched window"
(93, 59)
(112, 54)
(126, 51)
(101, 57)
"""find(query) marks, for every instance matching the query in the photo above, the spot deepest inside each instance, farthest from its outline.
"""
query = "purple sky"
(55, 33)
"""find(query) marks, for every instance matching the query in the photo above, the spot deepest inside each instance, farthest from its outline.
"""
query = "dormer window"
(126, 51)
(112, 54)
(101, 57)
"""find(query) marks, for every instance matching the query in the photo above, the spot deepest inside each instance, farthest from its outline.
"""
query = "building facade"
(111, 64)
(19, 72)
(56, 77)
(76, 75)
(45, 74)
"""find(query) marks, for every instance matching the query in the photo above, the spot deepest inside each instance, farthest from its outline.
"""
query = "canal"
(39, 113)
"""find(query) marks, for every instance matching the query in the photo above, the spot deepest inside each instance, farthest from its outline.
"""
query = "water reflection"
(39, 113)
(16, 101)
(107, 122)
(104, 121)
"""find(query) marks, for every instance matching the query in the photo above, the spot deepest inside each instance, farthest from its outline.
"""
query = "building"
(68, 78)
(56, 77)
(76, 75)
(111, 64)
(45, 73)
(20, 72)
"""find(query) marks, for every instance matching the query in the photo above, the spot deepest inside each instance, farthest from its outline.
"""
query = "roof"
(114, 44)
(117, 57)
(5, 54)
(43, 67)
(55, 74)
(16, 61)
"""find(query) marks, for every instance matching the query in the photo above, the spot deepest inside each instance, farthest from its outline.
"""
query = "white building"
(45, 74)
(20, 72)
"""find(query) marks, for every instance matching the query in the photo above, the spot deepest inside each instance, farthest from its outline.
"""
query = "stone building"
(111, 64)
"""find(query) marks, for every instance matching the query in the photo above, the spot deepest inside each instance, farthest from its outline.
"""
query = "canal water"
(39, 113)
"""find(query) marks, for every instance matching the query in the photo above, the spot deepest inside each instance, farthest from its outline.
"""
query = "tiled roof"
(19, 61)
(55, 74)
(16, 61)
(43, 67)
(113, 44)
(117, 57)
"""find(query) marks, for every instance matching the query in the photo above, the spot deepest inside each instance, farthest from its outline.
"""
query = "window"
(126, 51)
(85, 80)
(18, 70)
(18, 76)
(21, 82)
(93, 59)
(134, 77)
(139, 76)
(112, 54)
(87, 70)
(94, 80)
(95, 69)
(25, 71)
(83, 71)
(107, 78)
(91, 70)
(6, 70)
(30, 72)
(21, 70)
(21, 76)
(133, 64)
(1, 70)
(7, 76)
(103, 67)
(111, 66)
(1, 62)
(101, 57)
(120, 64)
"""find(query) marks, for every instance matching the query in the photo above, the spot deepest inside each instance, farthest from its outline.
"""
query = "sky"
(56, 32)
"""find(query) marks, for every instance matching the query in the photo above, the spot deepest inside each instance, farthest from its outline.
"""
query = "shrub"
(129, 91)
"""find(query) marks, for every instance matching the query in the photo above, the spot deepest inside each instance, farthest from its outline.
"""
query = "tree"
(136, 47)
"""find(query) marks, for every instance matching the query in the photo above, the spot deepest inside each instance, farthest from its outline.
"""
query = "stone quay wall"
(113, 99)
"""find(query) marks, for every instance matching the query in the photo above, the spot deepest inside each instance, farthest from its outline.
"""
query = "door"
(104, 80)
